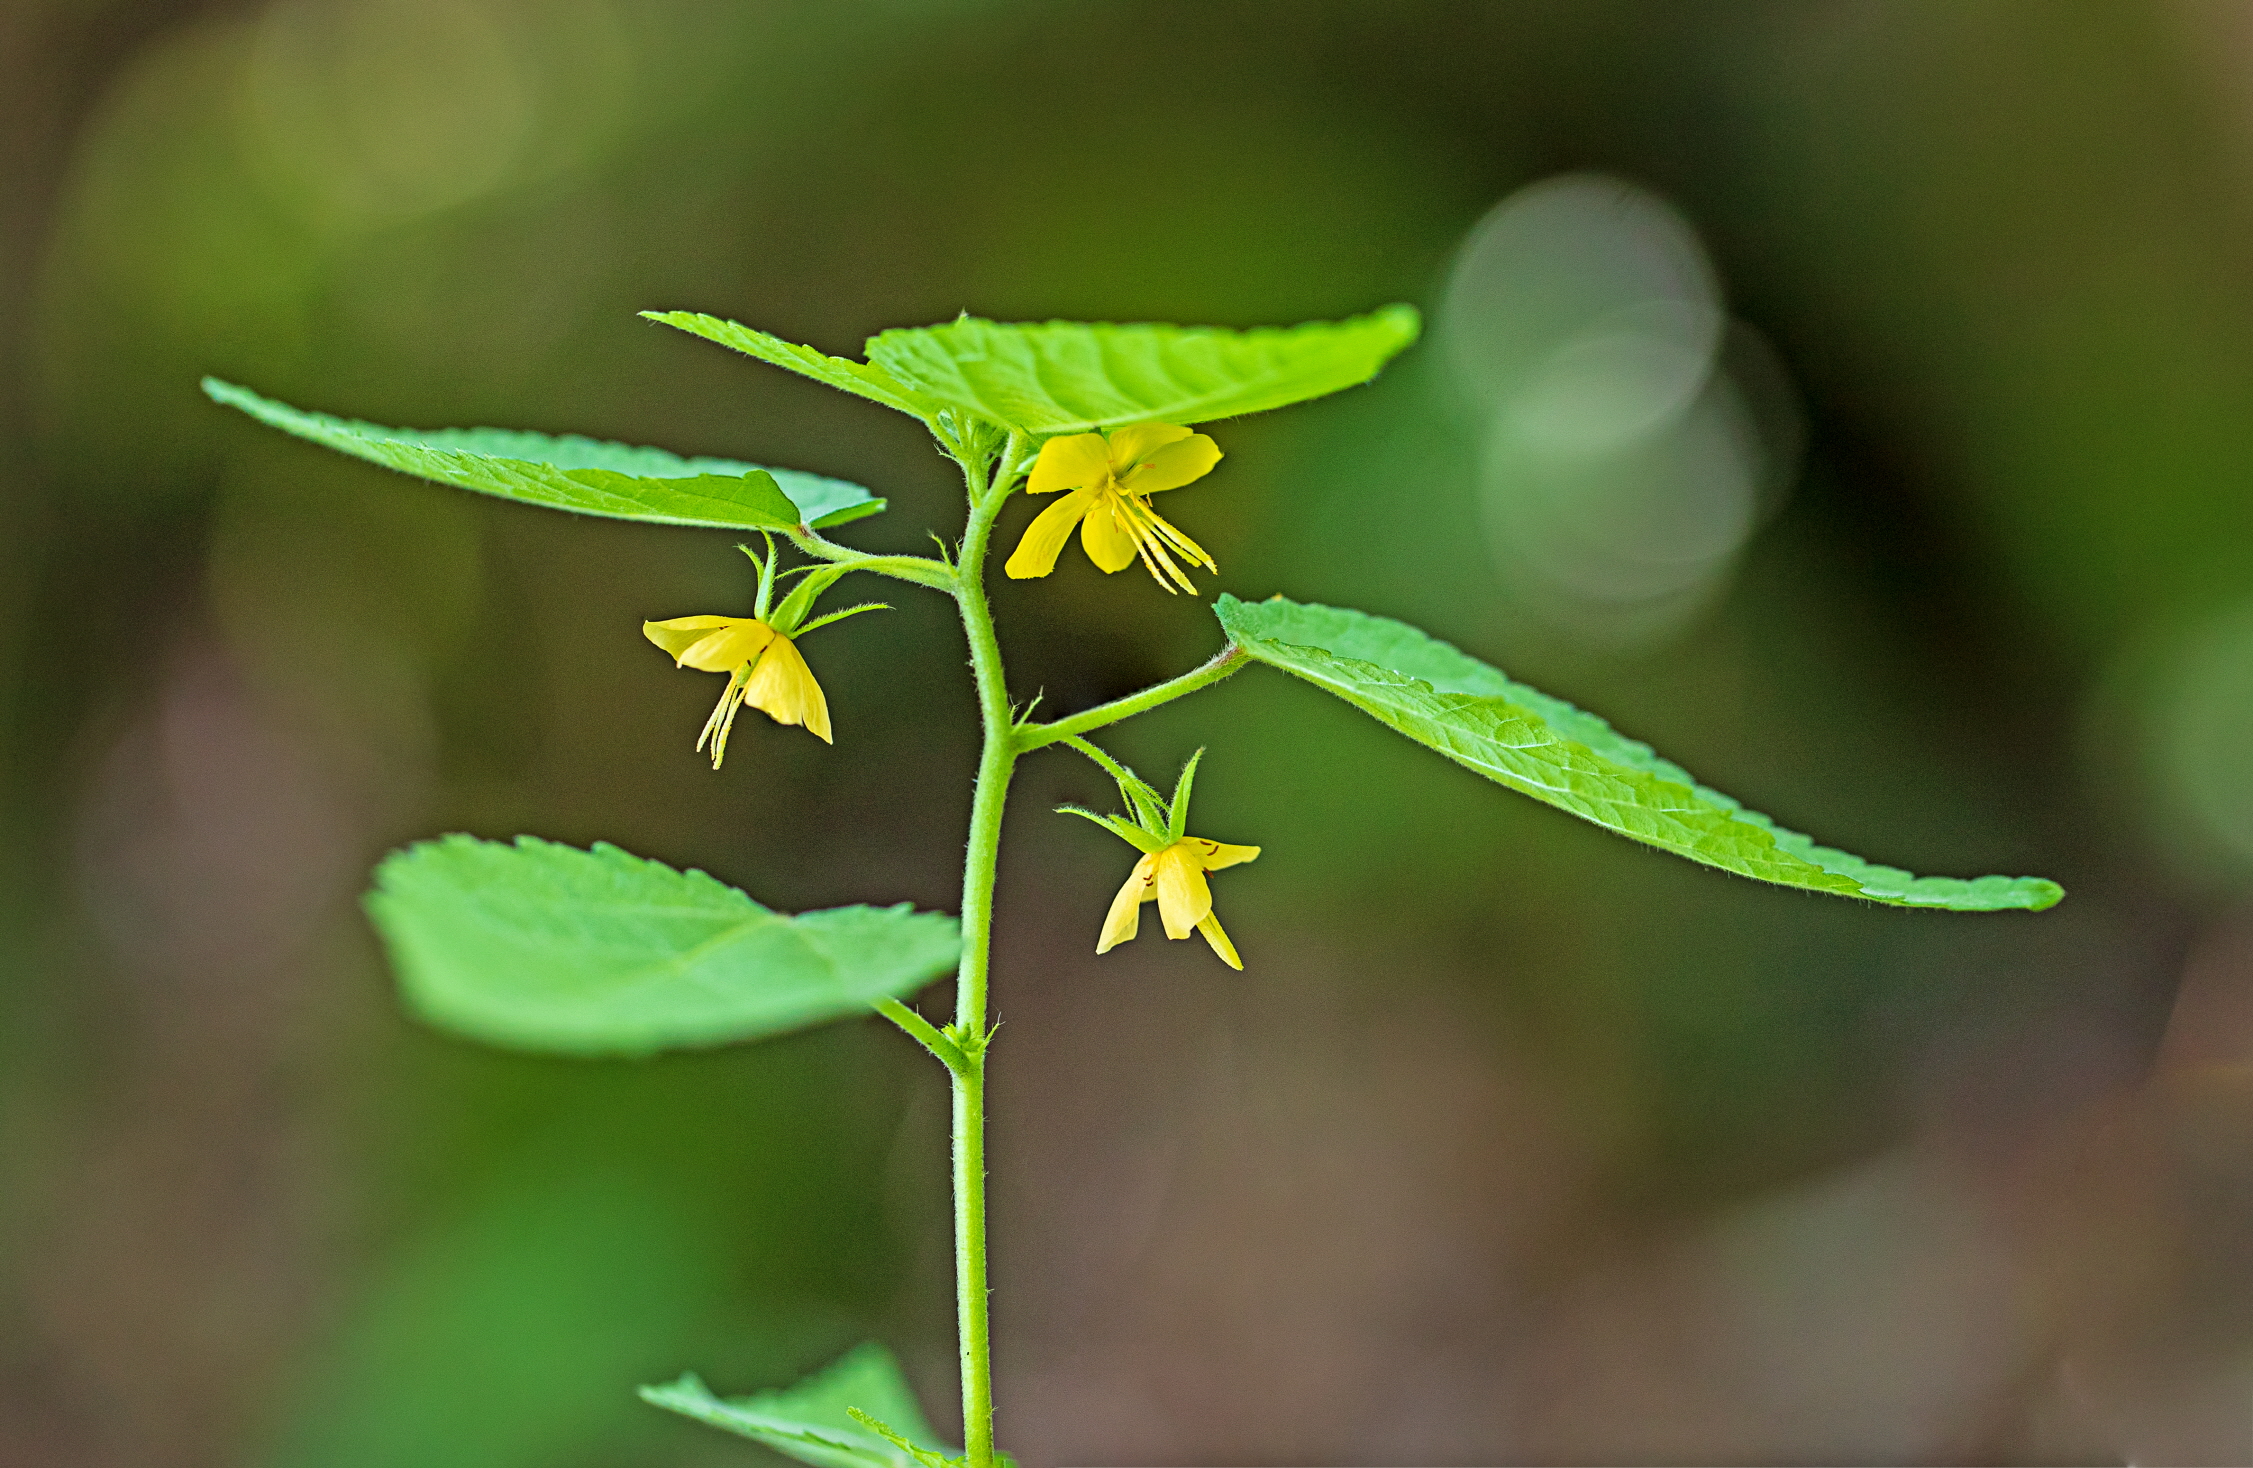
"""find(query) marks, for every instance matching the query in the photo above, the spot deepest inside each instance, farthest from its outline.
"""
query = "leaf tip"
(687, 1383)
(1402, 318)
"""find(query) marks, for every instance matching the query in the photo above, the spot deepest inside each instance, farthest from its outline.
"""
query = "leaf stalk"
(1029, 737)
(918, 570)
(924, 1033)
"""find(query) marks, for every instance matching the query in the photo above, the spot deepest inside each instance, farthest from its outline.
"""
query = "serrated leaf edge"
(2039, 893)
(265, 410)
(1400, 315)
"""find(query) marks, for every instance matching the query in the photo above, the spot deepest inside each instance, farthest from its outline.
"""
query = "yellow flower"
(764, 668)
(1173, 876)
(1173, 866)
(1110, 481)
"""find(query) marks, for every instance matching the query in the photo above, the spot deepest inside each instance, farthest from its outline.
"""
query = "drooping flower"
(1173, 876)
(758, 652)
(1110, 481)
(1172, 870)
(764, 668)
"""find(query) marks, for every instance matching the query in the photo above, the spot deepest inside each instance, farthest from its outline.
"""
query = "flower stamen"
(1111, 479)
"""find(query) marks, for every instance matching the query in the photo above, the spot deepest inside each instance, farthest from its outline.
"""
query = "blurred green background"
(1853, 399)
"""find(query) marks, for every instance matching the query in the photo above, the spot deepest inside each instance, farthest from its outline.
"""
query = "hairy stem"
(969, 1032)
(923, 1032)
(921, 570)
(1035, 736)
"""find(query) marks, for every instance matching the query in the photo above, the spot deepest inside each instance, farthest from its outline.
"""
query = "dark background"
(1515, 1141)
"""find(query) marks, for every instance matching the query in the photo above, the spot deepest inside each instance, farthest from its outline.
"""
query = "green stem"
(921, 570)
(996, 759)
(923, 1032)
(1225, 662)
(971, 1320)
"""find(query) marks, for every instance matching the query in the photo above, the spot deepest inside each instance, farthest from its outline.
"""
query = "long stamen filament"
(723, 713)
(1143, 550)
(1181, 542)
(1150, 533)
(1158, 549)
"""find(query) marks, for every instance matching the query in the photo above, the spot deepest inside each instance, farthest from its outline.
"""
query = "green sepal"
(800, 602)
(764, 600)
(1177, 811)
(852, 611)
(1544, 747)
(842, 373)
(814, 1420)
(544, 947)
(1059, 377)
(1148, 807)
(1127, 831)
(583, 475)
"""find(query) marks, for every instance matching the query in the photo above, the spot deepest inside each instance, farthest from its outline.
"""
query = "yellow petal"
(1105, 537)
(1183, 898)
(1214, 855)
(680, 634)
(1070, 463)
(784, 688)
(1044, 538)
(1218, 937)
(1174, 465)
(727, 649)
(1124, 919)
(1132, 446)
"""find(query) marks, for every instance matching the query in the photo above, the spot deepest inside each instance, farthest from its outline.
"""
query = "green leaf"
(842, 373)
(813, 1420)
(539, 946)
(928, 1457)
(1546, 748)
(583, 475)
(1070, 377)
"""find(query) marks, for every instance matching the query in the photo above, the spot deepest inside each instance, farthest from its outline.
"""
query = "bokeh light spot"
(1622, 467)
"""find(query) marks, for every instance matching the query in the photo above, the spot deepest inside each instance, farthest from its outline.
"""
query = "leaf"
(539, 946)
(559, 1271)
(928, 1457)
(1070, 377)
(842, 373)
(813, 1420)
(583, 475)
(1546, 748)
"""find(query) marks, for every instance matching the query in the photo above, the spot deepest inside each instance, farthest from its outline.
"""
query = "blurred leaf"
(540, 946)
(858, 378)
(496, 1335)
(1069, 377)
(813, 1421)
(583, 475)
(1546, 748)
